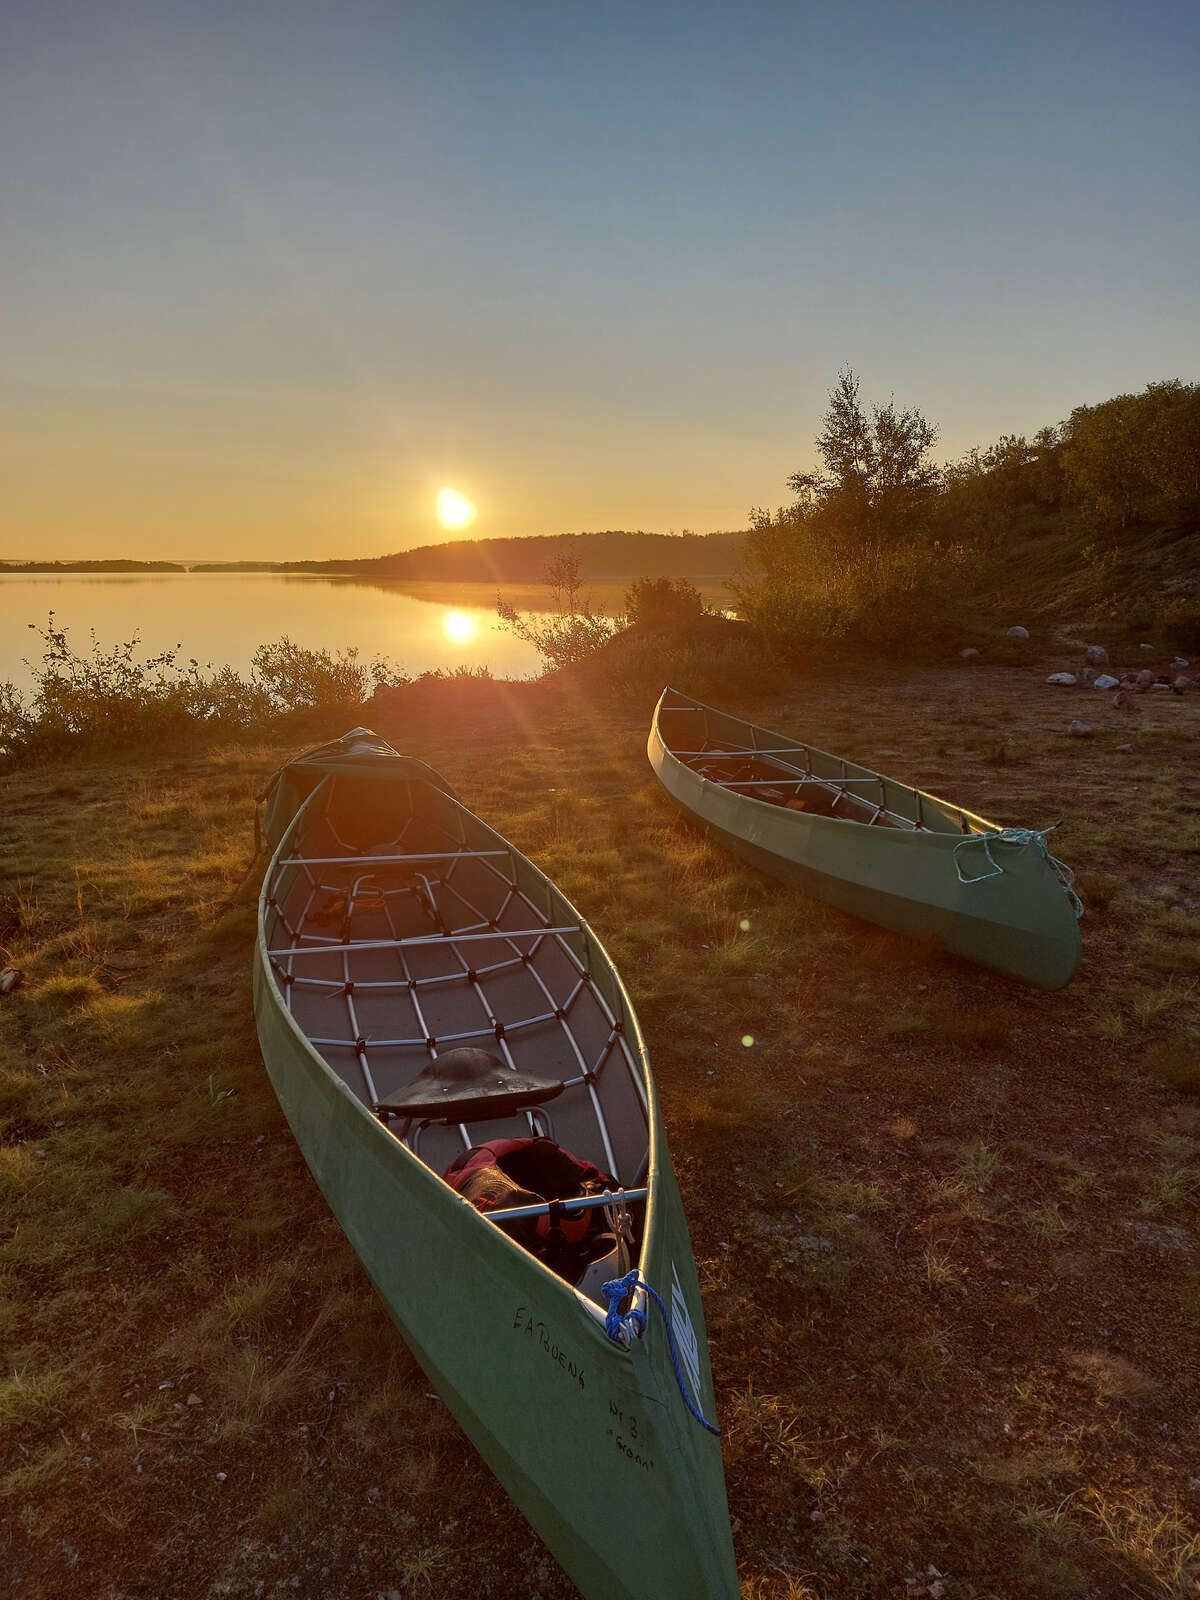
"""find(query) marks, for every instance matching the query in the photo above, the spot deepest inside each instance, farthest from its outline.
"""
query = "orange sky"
(273, 275)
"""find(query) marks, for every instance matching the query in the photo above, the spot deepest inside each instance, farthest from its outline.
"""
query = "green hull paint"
(592, 1442)
(1020, 923)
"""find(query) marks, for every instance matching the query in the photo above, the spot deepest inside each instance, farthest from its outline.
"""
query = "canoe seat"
(467, 1084)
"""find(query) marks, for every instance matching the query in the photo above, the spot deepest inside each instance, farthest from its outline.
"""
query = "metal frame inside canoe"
(883, 851)
(592, 1441)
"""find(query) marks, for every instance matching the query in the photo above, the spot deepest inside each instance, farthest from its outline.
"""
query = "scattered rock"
(1062, 677)
(1170, 1240)
(1122, 700)
(170, 1384)
(1105, 681)
(1086, 674)
(1161, 683)
(968, 652)
(11, 978)
(1097, 655)
(1145, 647)
(1181, 683)
(1179, 661)
(194, 1400)
(1143, 680)
(1124, 749)
(1080, 730)
(1018, 633)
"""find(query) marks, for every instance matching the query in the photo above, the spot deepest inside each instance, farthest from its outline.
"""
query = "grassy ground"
(946, 1226)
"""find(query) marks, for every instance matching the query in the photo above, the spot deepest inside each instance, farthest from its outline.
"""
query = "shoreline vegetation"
(947, 1228)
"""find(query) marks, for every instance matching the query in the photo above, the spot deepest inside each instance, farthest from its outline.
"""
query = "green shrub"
(563, 640)
(716, 660)
(117, 697)
(810, 584)
(659, 602)
(572, 633)
(297, 679)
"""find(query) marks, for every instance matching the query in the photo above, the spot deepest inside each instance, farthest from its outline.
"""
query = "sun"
(454, 510)
(458, 626)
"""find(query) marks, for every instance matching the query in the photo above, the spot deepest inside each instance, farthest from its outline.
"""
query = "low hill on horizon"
(614, 553)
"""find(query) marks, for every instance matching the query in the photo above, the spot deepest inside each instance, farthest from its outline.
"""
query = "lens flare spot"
(457, 626)
(747, 1040)
(744, 924)
(454, 510)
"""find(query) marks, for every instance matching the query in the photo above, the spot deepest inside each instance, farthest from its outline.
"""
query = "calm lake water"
(222, 618)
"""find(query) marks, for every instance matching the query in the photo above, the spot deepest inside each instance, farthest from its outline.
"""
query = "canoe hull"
(1019, 922)
(593, 1443)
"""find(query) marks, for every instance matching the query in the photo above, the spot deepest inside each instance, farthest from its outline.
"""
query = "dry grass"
(946, 1228)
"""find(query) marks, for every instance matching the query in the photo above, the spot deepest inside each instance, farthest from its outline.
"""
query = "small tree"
(854, 554)
(879, 483)
(573, 631)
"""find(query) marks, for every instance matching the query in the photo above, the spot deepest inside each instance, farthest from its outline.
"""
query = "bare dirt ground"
(946, 1226)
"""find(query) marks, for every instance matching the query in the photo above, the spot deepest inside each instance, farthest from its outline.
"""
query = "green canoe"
(869, 844)
(399, 938)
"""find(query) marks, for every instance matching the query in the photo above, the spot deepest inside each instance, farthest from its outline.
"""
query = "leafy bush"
(808, 586)
(459, 674)
(561, 641)
(299, 679)
(116, 697)
(572, 632)
(661, 602)
(715, 660)
(103, 693)
(1126, 454)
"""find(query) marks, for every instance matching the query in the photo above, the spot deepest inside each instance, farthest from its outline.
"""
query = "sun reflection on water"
(459, 627)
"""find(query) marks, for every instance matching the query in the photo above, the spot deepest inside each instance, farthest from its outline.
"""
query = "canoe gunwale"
(977, 824)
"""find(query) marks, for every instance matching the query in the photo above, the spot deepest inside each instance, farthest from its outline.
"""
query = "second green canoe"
(871, 845)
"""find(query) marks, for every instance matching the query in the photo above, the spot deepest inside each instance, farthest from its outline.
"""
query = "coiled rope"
(1033, 837)
(635, 1322)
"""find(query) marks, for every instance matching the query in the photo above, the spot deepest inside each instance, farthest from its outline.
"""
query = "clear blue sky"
(270, 275)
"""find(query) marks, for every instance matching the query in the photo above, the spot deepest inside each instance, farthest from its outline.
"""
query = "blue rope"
(1033, 837)
(635, 1321)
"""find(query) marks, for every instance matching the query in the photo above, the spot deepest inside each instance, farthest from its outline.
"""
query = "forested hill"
(613, 554)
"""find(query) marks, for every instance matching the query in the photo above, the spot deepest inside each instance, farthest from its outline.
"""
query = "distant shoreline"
(51, 567)
(613, 556)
